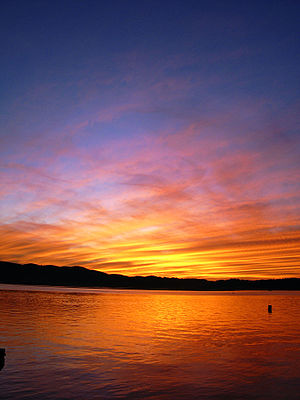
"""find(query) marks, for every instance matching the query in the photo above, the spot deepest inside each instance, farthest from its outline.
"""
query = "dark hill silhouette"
(33, 274)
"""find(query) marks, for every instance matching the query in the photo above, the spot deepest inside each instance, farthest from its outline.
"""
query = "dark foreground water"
(112, 344)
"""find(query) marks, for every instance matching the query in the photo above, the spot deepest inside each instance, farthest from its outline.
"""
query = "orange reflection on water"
(134, 343)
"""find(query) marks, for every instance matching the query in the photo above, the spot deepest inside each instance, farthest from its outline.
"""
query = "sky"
(151, 137)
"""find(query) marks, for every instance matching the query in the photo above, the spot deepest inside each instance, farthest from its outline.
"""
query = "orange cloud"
(182, 193)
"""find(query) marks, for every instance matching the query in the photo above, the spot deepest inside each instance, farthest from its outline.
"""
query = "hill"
(33, 274)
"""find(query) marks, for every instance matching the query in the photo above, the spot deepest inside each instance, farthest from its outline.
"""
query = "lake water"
(64, 343)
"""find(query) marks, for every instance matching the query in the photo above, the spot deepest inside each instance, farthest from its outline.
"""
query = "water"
(64, 343)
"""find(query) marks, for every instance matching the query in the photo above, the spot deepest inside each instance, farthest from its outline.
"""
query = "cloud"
(149, 171)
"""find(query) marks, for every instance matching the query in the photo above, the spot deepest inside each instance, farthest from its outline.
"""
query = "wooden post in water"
(270, 308)
(2, 358)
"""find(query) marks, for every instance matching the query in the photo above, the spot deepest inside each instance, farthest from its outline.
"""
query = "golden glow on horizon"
(155, 253)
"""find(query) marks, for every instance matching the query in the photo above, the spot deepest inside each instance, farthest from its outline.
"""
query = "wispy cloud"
(161, 167)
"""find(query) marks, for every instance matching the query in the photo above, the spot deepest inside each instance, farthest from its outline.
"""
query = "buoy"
(270, 308)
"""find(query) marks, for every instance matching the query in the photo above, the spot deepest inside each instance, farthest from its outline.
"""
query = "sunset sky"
(151, 137)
